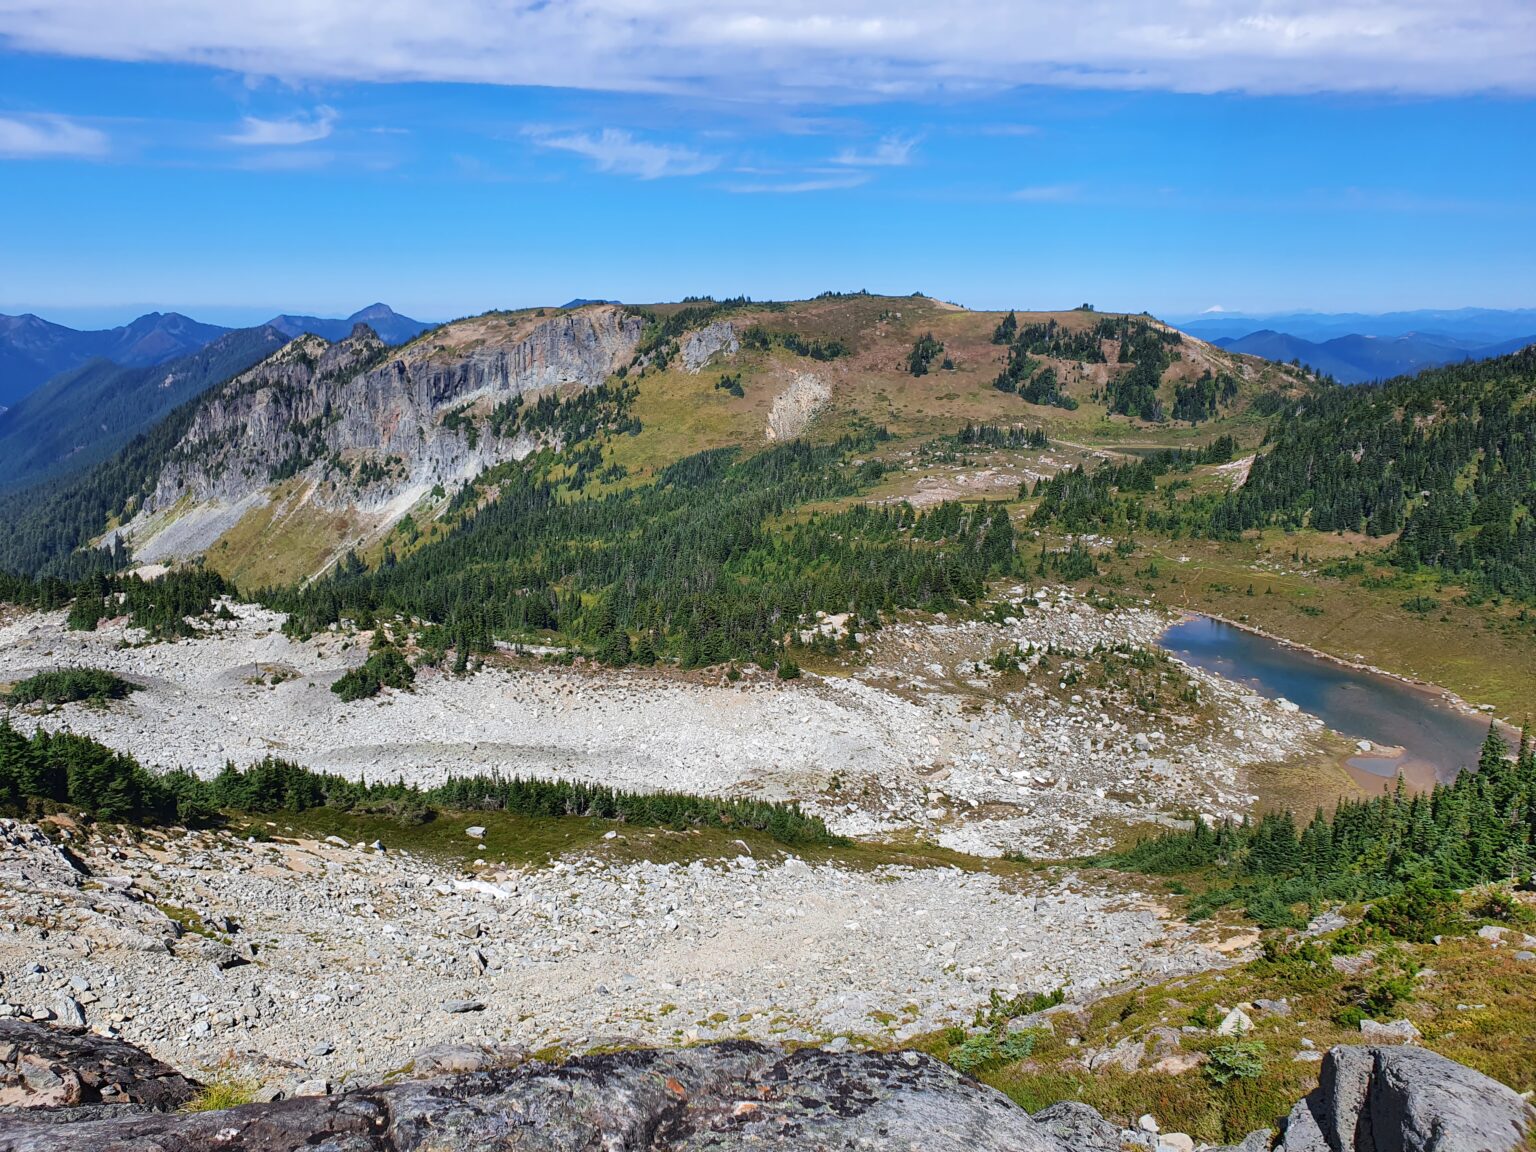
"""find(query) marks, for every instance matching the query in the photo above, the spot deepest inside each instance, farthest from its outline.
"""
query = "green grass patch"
(1472, 1002)
(224, 1091)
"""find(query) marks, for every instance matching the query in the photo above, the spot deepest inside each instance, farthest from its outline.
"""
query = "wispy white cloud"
(303, 129)
(34, 137)
(619, 151)
(831, 183)
(795, 49)
(890, 152)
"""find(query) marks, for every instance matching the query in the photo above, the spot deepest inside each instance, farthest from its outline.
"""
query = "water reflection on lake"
(1437, 740)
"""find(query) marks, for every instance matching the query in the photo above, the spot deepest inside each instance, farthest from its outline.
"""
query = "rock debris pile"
(311, 961)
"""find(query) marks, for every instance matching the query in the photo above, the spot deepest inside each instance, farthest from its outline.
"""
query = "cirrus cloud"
(616, 150)
(294, 130)
(890, 152)
(835, 182)
(790, 49)
(34, 137)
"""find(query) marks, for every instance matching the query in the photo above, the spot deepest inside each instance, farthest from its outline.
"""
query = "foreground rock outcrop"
(44, 1067)
(726, 1096)
(740, 1095)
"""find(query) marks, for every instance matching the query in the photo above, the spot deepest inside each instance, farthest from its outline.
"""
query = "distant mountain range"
(1355, 347)
(116, 383)
(392, 327)
(34, 350)
(82, 416)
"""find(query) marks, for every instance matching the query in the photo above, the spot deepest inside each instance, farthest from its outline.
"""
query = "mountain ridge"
(37, 349)
(321, 448)
(79, 417)
(1472, 327)
(391, 326)
(34, 350)
(1356, 358)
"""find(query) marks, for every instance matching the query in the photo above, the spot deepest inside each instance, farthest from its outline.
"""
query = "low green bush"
(1240, 1060)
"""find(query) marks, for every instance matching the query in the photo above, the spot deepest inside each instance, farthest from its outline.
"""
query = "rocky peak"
(359, 425)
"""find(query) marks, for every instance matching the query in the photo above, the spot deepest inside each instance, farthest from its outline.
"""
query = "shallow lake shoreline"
(1459, 703)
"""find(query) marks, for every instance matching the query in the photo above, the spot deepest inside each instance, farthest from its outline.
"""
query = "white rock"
(1235, 1023)
(1400, 1031)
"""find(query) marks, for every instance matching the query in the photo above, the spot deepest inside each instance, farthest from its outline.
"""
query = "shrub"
(1380, 999)
(1500, 904)
(384, 668)
(977, 1052)
(1418, 912)
(999, 1010)
(1241, 1060)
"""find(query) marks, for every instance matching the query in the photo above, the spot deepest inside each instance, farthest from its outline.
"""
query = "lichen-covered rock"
(1080, 1128)
(735, 1096)
(43, 1066)
(719, 1098)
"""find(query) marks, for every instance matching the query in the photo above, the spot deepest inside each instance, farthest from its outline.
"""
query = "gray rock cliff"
(364, 424)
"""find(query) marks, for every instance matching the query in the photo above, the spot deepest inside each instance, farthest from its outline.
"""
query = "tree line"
(60, 768)
(1481, 827)
(709, 562)
(1447, 458)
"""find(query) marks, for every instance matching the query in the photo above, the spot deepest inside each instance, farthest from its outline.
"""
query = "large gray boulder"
(1405, 1099)
(1080, 1128)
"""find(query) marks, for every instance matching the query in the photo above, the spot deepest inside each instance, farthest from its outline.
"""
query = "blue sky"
(231, 161)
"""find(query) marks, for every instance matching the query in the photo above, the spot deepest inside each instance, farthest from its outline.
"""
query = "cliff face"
(358, 427)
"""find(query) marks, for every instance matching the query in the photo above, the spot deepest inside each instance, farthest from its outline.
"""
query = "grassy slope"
(684, 412)
(1472, 1002)
(285, 541)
